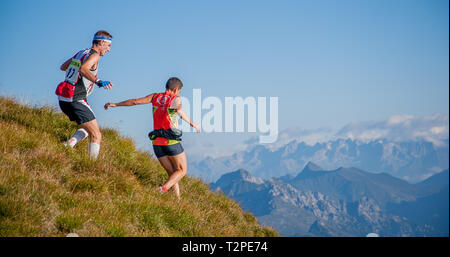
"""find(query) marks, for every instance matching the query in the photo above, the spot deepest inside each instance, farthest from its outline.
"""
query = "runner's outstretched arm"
(131, 102)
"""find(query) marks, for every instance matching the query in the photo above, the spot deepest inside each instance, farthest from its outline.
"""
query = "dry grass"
(47, 189)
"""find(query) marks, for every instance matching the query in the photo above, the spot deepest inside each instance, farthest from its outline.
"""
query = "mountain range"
(342, 202)
(412, 161)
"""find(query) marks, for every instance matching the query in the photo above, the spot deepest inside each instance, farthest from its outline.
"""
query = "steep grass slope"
(47, 189)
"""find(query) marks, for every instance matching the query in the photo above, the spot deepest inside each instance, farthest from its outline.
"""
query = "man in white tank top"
(81, 77)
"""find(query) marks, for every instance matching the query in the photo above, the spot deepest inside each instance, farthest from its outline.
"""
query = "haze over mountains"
(342, 202)
(409, 147)
(412, 161)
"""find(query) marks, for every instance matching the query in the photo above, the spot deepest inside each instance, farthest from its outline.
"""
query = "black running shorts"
(78, 111)
(170, 150)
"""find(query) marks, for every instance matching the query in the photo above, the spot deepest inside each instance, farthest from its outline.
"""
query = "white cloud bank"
(397, 128)
(433, 128)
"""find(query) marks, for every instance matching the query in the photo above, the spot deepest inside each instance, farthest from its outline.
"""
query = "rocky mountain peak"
(311, 166)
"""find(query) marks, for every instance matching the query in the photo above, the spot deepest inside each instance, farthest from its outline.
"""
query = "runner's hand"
(197, 127)
(107, 105)
(109, 86)
(104, 83)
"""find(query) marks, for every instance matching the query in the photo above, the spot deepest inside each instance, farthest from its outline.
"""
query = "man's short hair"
(173, 83)
(100, 33)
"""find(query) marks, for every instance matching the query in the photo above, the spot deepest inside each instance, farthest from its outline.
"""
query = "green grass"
(47, 189)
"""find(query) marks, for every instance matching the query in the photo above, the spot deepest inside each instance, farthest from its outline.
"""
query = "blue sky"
(329, 62)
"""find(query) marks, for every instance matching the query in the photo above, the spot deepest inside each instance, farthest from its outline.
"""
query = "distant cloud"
(399, 119)
(433, 128)
(308, 136)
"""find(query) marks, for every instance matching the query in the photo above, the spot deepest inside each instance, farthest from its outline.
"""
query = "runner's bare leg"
(96, 137)
(94, 131)
(179, 165)
(167, 165)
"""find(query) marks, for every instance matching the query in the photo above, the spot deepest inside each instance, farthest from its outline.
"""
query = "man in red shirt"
(166, 136)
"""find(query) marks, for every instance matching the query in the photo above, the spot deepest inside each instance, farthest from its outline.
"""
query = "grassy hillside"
(47, 189)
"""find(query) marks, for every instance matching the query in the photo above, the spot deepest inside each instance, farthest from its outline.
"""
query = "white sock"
(79, 135)
(93, 150)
